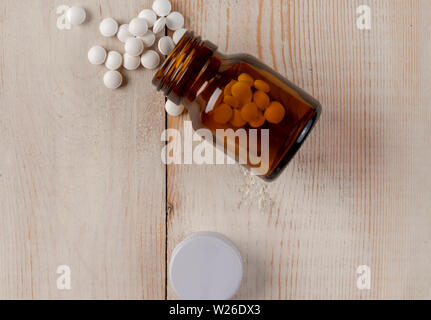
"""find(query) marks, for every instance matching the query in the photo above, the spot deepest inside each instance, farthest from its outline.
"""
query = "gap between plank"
(166, 200)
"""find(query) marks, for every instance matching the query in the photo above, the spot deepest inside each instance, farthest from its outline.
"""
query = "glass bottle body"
(198, 76)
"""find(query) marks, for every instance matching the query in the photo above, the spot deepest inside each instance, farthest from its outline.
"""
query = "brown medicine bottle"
(254, 114)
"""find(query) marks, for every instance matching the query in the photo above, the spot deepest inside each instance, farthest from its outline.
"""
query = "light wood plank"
(358, 192)
(76, 160)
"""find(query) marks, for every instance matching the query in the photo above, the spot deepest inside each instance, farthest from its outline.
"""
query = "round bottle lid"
(206, 266)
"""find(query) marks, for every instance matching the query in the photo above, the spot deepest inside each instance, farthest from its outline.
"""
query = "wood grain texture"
(75, 161)
(82, 184)
(358, 192)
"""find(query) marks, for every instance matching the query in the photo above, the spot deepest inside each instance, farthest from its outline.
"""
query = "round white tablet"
(159, 25)
(131, 62)
(76, 15)
(175, 21)
(138, 27)
(148, 39)
(150, 59)
(178, 35)
(173, 109)
(134, 46)
(166, 45)
(97, 55)
(162, 7)
(206, 266)
(112, 79)
(149, 16)
(108, 27)
(114, 60)
(123, 33)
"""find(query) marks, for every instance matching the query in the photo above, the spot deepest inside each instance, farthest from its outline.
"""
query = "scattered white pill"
(134, 46)
(131, 62)
(178, 35)
(97, 55)
(166, 45)
(138, 27)
(114, 60)
(112, 79)
(76, 15)
(108, 27)
(150, 60)
(173, 110)
(162, 7)
(149, 16)
(159, 25)
(148, 39)
(123, 33)
(175, 21)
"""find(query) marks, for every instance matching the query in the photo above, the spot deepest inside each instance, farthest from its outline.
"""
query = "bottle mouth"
(182, 65)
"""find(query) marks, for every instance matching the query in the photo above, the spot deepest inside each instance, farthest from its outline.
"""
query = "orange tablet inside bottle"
(241, 94)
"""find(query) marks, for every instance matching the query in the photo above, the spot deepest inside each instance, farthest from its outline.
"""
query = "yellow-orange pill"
(260, 121)
(275, 113)
(232, 101)
(223, 113)
(237, 120)
(249, 112)
(262, 85)
(242, 92)
(227, 90)
(261, 99)
(245, 77)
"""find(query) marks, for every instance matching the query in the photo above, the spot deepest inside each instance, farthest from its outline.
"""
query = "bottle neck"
(183, 66)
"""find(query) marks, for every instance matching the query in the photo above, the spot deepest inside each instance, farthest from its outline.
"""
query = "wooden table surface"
(82, 183)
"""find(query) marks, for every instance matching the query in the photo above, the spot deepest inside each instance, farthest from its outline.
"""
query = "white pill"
(173, 110)
(166, 45)
(159, 25)
(112, 79)
(138, 27)
(175, 21)
(178, 35)
(76, 15)
(114, 60)
(150, 59)
(108, 27)
(162, 7)
(131, 62)
(97, 55)
(123, 33)
(148, 39)
(134, 46)
(149, 16)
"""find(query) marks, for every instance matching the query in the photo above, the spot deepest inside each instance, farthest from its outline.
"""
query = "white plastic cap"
(206, 266)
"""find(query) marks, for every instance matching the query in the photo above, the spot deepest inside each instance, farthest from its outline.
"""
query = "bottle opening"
(182, 65)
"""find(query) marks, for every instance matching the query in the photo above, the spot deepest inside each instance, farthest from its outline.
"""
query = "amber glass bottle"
(266, 117)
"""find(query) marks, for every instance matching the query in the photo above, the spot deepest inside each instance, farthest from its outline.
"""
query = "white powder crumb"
(255, 190)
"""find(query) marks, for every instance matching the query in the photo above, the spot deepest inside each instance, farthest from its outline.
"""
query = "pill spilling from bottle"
(219, 91)
(76, 15)
(139, 38)
(108, 27)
